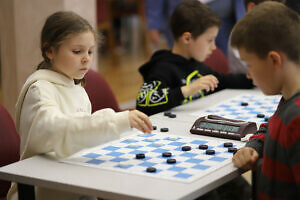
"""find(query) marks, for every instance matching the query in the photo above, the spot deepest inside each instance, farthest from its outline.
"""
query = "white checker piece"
(232, 108)
(120, 156)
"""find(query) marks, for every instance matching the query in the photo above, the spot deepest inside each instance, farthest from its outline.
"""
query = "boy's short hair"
(194, 17)
(260, 1)
(269, 26)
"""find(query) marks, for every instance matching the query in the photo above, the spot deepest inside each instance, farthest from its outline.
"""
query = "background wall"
(21, 22)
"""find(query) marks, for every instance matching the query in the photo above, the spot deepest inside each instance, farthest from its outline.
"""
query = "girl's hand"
(140, 121)
(245, 158)
(207, 83)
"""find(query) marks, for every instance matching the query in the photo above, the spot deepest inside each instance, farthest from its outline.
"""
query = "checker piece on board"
(171, 161)
(140, 156)
(203, 146)
(151, 169)
(166, 154)
(216, 126)
(186, 148)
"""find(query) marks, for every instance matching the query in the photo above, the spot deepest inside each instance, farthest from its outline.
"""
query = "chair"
(218, 62)
(99, 92)
(9, 146)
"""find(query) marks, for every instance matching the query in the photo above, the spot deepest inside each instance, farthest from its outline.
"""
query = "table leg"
(26, 192)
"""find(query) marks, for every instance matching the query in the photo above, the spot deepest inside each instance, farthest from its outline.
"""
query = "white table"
(45, 171)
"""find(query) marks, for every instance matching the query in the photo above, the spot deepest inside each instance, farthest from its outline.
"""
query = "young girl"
(53, 112)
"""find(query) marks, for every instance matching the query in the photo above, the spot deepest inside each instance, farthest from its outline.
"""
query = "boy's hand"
(245, 158)
(208, 83)
(140, 121)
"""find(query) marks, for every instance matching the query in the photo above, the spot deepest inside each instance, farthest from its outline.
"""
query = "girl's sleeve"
(45, 128)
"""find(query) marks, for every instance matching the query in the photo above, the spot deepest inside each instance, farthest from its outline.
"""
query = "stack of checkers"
(164, 156)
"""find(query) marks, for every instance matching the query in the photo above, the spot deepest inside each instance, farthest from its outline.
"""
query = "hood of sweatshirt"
(162, 56)
(42, 74)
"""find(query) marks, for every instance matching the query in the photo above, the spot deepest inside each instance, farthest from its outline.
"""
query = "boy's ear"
(186, 37)
(250, 6)
(276, 59)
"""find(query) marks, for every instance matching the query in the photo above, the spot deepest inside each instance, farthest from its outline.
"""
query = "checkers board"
(251, 108)
(120, 156)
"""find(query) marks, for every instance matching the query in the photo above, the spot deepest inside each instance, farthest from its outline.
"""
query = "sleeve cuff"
(256, 144)
(122, 121)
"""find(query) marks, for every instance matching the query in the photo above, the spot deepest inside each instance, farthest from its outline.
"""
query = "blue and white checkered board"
(119, 156)
(232, 108)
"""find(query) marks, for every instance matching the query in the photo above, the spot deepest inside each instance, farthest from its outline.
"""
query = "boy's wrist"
(185, 91)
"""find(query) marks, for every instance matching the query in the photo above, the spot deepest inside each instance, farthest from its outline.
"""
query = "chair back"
(218, 62)
(99, 92)
(9, 146)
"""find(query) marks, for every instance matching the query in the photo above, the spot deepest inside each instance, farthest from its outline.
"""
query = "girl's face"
(202, 46)
(74, 56)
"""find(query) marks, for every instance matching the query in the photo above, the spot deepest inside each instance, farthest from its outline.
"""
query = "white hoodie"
(54, 115)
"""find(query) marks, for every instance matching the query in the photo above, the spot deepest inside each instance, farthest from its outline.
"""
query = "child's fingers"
(205, 87)
(254, 157)
(236, 162)
(212, 86)
(148, 125)
(145, 127)
(136, 123)
(143, 122)
(209, 82)
(142, 127)
(238, 159)
(245, 158)
(214, 82)
(208, 85)
(252, 160)
(212, 79)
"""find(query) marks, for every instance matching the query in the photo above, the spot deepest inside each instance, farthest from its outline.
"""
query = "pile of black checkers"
(169, 114)
(170, 160)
